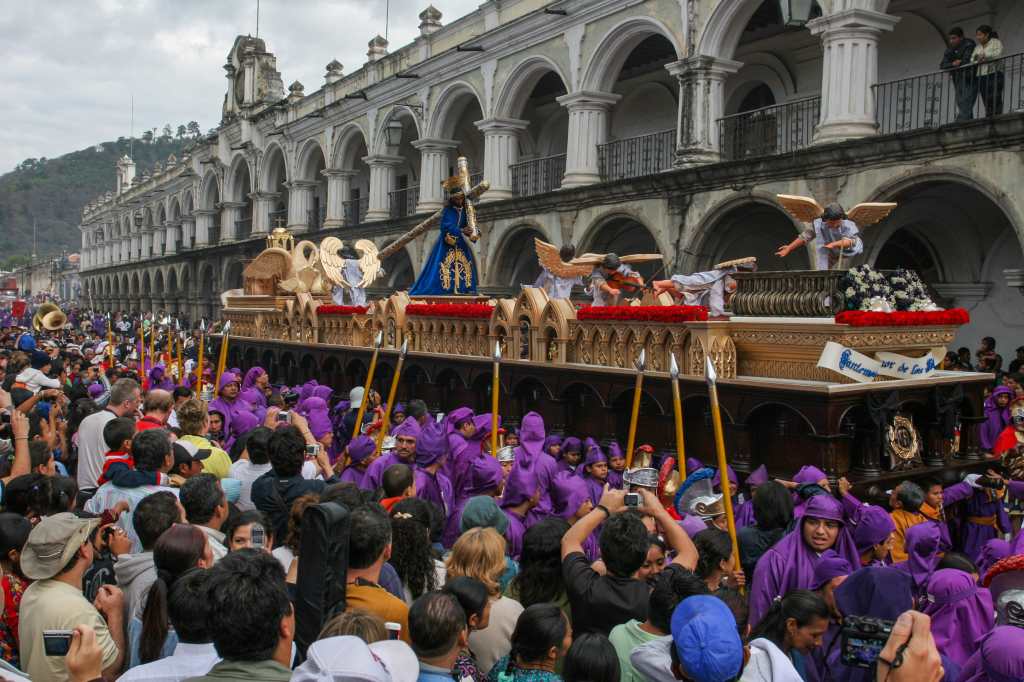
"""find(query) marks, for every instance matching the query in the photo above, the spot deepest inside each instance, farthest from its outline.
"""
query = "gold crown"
(280, 238)
(452, 185)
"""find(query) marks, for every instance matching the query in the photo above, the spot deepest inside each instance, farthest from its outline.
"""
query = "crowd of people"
(264, 532)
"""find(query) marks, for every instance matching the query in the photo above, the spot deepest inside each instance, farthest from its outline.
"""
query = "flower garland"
(472, 311)
(644, 313)
(864, 288)
(341, 310)
(865, 318)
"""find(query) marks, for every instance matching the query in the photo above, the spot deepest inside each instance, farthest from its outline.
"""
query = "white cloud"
(71, 66)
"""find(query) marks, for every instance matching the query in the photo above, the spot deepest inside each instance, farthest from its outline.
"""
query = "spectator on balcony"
(991, 78)
(959, 56)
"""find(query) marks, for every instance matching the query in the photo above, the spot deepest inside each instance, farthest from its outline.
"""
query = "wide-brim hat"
(52, 544)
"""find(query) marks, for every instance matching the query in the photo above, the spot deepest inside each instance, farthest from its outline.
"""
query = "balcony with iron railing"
(315, 219)
(538, 176)
(635, 157)
(951, 96)
(243, 228)
(402, 201)
(776, 129)
(355, 210)
(277, 218)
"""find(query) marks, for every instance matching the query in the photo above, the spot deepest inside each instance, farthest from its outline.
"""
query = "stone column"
(701, 104)
(262, 203)
(501, 151)
(300, 198)
(146, 244)
(231, 213)
(171, 238)
(382, 181)
(339, 189)
(588, 128)
(849, 41)
(188, 230)
(204, 223)
(126, 250)
(434, 162)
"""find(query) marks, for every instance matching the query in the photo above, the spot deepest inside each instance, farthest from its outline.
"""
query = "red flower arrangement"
(341, 310)
(866, 318)
(472, 311)
(645, 313)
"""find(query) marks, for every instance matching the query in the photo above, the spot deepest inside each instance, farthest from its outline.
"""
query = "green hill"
(53, 191)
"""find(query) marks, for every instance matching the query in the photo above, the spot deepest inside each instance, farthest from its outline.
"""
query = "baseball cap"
(706, 640)
(53, 542)
(186, 452)
(350, 659)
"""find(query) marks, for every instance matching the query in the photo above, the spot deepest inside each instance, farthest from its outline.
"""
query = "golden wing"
(369, 262)
(305, 255)
(635, 258)
(804, 209)
(332, 261)
(735, 263)
(868, 214)
(271, 262)
(547, 256)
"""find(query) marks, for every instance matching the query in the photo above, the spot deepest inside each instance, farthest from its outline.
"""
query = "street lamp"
(394, 133)
(796, 13)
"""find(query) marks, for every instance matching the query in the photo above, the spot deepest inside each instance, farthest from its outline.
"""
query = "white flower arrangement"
(867, 289)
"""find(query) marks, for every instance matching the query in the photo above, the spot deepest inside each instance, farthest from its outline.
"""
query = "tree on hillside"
(182, 131)
(147, 136)
(193, 130)
(168, 132)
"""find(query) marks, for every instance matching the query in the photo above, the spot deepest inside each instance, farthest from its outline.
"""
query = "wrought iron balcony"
(402, 201)
(634, 157)
(538, 176)
(951, 96)
(315, 219)
(277, 218)
(243, 227)
(355, 210)
(778, 129)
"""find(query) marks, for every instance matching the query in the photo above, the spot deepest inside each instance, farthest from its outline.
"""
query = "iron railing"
(272, 218)
(538, 176)
(951, 96)
(778, 129)
(315, 218)
(635, 157)
(243, 228)
(355, 210)
(402, 201)
(474, 180)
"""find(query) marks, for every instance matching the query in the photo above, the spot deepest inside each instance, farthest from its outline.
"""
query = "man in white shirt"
(206, 508)
(194, 654)
(254, 462)
(125, 397)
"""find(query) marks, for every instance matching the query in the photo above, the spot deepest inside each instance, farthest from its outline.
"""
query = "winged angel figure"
(837, 232)
(610, 275)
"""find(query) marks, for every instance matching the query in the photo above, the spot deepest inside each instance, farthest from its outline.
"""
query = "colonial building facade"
(617, 125)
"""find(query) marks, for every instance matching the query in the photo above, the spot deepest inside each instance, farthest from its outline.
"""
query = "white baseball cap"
(350, 659)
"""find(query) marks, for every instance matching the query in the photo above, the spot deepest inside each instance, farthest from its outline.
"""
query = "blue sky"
(71, 66)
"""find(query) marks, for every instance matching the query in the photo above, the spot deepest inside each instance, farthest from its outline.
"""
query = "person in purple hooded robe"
(158, 379)
(876, 592)
(530, 454)
(520, 496)
(256, 401)
(808, 475)
(961, 613)
(397, 416)
(572, 454)
(360, 451)
(997, 657)
(991, 552)
(595, 472)
(483, 479)
(617, 464)
(459, 427)
(923, 554)
(257, 378)
(571, 502)
(243, 423)
(997, 416)
(404, 453)
(789, 564)
(872, 535)
(228, 403)
(431, 483)
(985, 513)
(831, 572)
(553, 446)
(745, 511)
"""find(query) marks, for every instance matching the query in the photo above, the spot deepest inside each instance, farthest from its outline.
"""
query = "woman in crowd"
(773, 510)
(476, 604)
(780, 643)
(412, 552)
(540, 567)
(243, 531)
(591, 658)
(541, 637)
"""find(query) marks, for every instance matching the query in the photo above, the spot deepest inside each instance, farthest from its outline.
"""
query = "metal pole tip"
(709, 370)
(673, 367)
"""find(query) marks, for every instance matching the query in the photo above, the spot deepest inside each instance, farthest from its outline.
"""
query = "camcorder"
(862, 640)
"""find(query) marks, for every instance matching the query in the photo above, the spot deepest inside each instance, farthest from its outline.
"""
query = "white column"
(262, 203)
(850, 46)
(171, 238)
(300, 199)
(588, 128)
(146, 242)
(701, 104)
(339, 189)
(501, 152)
(231, 213)
(188, 230)
(159, 235)
(382, 181)
(434, 162)
(204, 225)
(126, 250)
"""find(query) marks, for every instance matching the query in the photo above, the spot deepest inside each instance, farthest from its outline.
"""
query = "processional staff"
(222, 360)
(386, 421)
(635, 415)
(369, 381)
(716, 421)
(495, 394)
(677, 408)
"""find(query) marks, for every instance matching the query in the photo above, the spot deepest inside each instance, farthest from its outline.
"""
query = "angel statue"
(711, 288)
(554, 285)
(349, 269)
(835, 230)
(610, 274)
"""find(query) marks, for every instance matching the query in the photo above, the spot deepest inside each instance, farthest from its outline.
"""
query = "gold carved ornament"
(903, 443)
(456, 268)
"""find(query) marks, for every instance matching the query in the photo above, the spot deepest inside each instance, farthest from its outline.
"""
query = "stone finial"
(145, 176)
(430, 20)
(172, 160)
(335, 72)
(296, 91)
(158, 168)
(378, 49)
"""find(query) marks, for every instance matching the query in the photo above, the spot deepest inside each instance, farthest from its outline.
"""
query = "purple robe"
(923, 544)
(997, 657)
(227, 408)
(354, 475)
(484, 477)
(374, 472)
(745, 515)
(435, 488)
(993, 551)
(961, 613)
(983, 504)
(460, 450)
(996, 418)
(251, 376)
(789, 564)
(514, 534)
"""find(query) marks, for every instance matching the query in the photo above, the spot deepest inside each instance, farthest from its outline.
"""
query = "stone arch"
(401, 271)
(724, 28)
(759, 69)
(510, 267)
(146, 288)
(274, 168)
(172, 283)
(209, 190)
(622, 233)
(310, 163)
(239, 178)
(231, 276)
(724, 233)
(158, 284)
(615, 47)
(174, 210)
(521, 81)
(451, 101)
(346, 153)
(411, 124)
